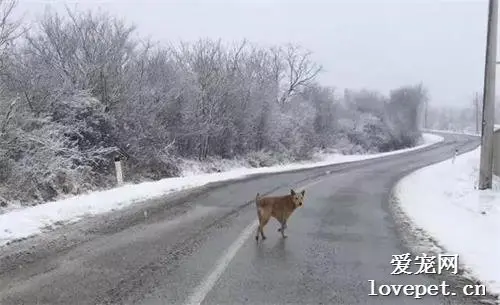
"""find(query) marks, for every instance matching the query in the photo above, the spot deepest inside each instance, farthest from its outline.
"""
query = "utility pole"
(477, 119)
(486, 162)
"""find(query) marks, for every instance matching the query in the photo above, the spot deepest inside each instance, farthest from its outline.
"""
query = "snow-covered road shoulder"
(24, 222)
(443, 201)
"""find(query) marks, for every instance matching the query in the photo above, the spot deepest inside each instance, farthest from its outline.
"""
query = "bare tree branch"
(9, 30)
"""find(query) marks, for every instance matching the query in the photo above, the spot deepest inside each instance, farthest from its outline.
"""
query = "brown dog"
(279, 207)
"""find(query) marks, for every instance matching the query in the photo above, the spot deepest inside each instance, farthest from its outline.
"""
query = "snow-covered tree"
(80, 87)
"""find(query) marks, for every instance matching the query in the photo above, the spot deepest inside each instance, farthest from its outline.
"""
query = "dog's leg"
(283, 226)
(283, 232)
(259, 228)
(262, 232)
(263, 223)
(259, 215)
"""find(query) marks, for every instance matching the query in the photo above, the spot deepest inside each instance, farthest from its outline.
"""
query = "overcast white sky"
(361, 44)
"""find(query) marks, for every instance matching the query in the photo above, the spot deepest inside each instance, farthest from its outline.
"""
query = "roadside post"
(118, 169)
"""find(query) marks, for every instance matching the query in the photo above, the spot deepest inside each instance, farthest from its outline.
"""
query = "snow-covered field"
(25, 222)
(442, 199)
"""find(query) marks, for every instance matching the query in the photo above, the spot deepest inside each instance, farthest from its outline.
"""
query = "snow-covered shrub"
(266, 158)
(59, 153)
(84, 91)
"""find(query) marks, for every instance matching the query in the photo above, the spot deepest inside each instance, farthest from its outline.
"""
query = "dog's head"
(297, 198)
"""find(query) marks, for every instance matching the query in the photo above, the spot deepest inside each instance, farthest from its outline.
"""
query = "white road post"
(119, 172)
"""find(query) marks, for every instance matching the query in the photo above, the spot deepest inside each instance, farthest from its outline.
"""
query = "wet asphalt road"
(341, 238)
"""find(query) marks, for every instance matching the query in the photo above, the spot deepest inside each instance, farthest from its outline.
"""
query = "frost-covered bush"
(267, 158)
(62, 153)
(77, 89)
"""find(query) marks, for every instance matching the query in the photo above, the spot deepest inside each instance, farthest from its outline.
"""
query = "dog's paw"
(285, 236)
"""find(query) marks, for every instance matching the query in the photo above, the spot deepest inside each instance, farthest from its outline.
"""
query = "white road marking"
(204, 288)
(208, 283)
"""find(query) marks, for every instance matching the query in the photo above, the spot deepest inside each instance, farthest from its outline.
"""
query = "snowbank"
(465, 132)
(442, 199)
(25, 222)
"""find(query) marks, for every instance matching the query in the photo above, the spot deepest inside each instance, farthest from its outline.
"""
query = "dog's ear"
(292, 192)
(303, 192)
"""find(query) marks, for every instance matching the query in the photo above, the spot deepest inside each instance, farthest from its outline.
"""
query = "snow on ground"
(442, 199)
(466, 132)
(25, 222)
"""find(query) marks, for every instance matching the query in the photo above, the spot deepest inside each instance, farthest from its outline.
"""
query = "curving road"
(199, 247)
